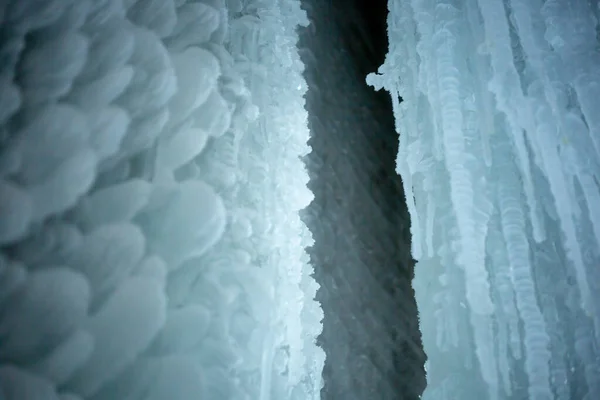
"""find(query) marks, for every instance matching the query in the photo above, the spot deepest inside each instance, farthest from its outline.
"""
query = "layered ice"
(150, 184)
(495, 105)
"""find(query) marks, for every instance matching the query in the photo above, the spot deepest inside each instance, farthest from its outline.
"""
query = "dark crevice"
(358, 218)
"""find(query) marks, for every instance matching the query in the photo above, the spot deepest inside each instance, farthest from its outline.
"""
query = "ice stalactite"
(499, 145)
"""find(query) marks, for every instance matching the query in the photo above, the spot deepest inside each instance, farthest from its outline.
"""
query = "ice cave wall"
(150, 184)
(499, 154)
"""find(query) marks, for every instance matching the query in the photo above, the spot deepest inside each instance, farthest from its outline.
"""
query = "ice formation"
(150, 184)
(500, 159)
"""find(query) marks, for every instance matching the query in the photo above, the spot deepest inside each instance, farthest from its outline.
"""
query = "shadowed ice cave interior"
(299, 199)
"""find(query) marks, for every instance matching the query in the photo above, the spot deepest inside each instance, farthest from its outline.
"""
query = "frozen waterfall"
(150, 184)
(500, 157)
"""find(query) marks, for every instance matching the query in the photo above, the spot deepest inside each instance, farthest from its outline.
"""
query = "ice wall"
(150, 183)
(500, 157)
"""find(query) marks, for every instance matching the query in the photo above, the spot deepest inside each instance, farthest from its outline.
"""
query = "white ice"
(149, 178)
(499, 154)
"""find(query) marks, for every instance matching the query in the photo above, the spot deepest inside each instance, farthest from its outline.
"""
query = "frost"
(150, 182)
(498, 167)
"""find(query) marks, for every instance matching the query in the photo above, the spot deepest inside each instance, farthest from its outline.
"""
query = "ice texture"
(201, 69)
(64, 360)
(184, 329)
(108, 255)
(500, 163)
(122, 329)
(190, 221)
(44, 81)
(118, 203)
(18, 384)
(178, 378)
(55, 300)
(16, 212)
(150, 185)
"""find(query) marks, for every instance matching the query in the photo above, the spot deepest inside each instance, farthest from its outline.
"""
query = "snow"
(134, 233)
(499, 157)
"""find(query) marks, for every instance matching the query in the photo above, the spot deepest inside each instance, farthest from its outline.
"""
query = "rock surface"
(359, 218)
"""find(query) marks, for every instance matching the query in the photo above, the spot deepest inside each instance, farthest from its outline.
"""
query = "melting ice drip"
(150, 184)
(500, 158)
